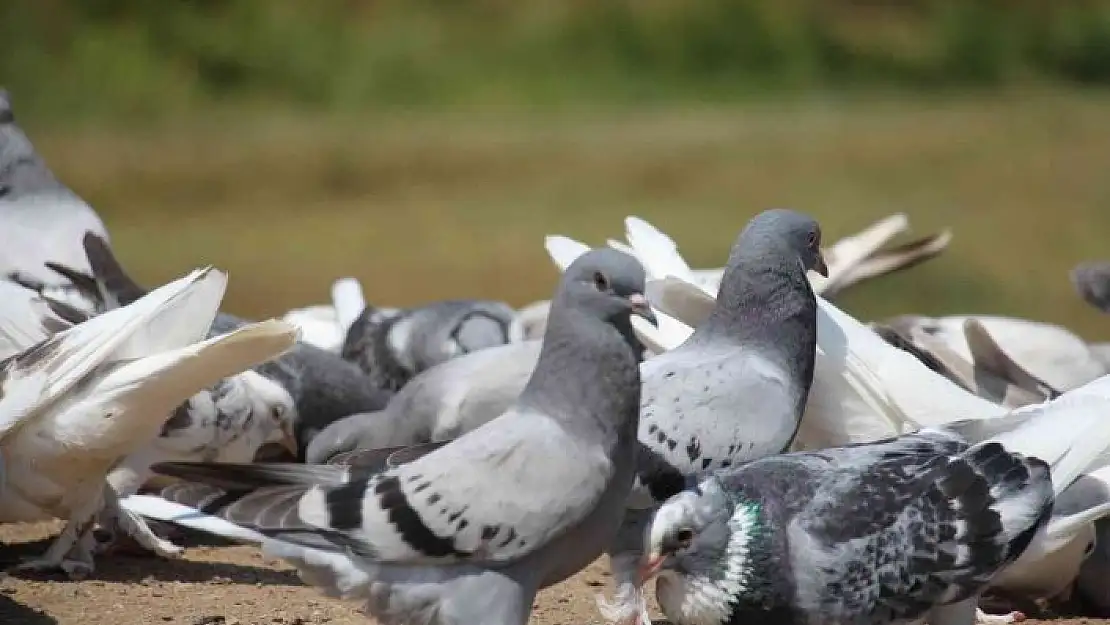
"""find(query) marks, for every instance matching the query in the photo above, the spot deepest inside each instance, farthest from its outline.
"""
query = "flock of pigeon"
(729, 433)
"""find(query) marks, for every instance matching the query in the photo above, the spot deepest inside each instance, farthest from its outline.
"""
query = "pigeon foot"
(75, 570)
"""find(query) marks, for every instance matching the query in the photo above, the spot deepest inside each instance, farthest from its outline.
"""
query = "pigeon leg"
(135, 527)
(963, 613)
(629, 606)
(56, 557)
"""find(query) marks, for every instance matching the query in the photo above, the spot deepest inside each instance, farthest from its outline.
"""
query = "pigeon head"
(781, 232)
(699, 545)
(609, 284)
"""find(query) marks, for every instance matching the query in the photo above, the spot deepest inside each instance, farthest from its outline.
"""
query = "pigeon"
(229, 421)
(909, 528)
(392, 348)
(992, 374)
(323, 387)
(1091, 281)
(41, 218)
(441, 403)
(736, 389)
(1050, 352)
(472, 530)
(88, 396)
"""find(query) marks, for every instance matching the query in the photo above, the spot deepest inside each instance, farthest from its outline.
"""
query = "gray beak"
(641, 308)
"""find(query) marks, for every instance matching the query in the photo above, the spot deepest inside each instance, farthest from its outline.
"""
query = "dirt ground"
(229, 585)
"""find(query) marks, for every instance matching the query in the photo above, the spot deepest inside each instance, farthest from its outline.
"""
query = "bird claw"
(982, 618)
(75, 570)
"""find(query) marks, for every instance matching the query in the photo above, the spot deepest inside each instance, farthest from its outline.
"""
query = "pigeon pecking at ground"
(896, 531)
(471, 531)
(736, 389)
(86, 397)
(42, 219)
(321, 386)
(393, 347)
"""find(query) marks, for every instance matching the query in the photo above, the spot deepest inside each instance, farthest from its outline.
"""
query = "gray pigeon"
(392, 348)
(471, 531)
(41, 218)
(896, 531)
(440, 403)
(323, 386)
(736, 389)
(1092, 282)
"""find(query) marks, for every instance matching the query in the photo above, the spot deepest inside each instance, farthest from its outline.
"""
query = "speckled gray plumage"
(736, 389)
(392, 348)
(869, 534)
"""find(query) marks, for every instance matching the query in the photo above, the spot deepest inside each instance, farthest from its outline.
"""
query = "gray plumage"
(441, 403)
(323, 387)
(888, 532)
(471, 531)
(392, 348)
(1091, 281)
(41, 218)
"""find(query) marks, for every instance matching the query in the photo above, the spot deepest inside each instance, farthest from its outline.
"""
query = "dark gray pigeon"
(469, 532)
(323, 386)
(41, 218)
(736, 389)
(392, 348)
(895, 531)
(1092, 282)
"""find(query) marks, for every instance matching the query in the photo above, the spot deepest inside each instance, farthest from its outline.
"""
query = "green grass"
(433, 206)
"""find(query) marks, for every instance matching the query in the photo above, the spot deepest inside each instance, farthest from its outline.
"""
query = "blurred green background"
(426, 146)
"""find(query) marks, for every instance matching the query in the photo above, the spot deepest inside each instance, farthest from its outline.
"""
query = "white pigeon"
(1048, 351)
(79, 401)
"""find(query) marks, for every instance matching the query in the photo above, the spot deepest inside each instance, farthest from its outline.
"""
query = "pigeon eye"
(600, 281)
(278, 411)
(813, 238)
(684, 536)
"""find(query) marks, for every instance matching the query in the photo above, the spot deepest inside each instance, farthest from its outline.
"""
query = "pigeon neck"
(22, 170)
(761, 299)
(587, 370)
(706, 590)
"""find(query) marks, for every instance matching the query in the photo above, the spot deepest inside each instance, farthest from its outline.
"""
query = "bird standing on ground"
(736, 389)
(471, 531)
(89, 395)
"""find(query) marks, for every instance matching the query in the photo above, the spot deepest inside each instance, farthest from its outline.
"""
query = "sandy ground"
(228, 585)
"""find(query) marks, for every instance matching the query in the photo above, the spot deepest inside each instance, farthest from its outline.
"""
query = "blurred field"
(424, 206)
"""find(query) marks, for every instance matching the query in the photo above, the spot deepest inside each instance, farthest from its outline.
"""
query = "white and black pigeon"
(227, 422)
(471, 531)
(736, 389)
(897, 531)
(89, 395)
(392, 347)
(42, 219)
(323, 387)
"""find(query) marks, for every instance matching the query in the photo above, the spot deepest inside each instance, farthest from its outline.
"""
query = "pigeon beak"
(640, 307)
(649, 568)
(288, 439)
(820, 266)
